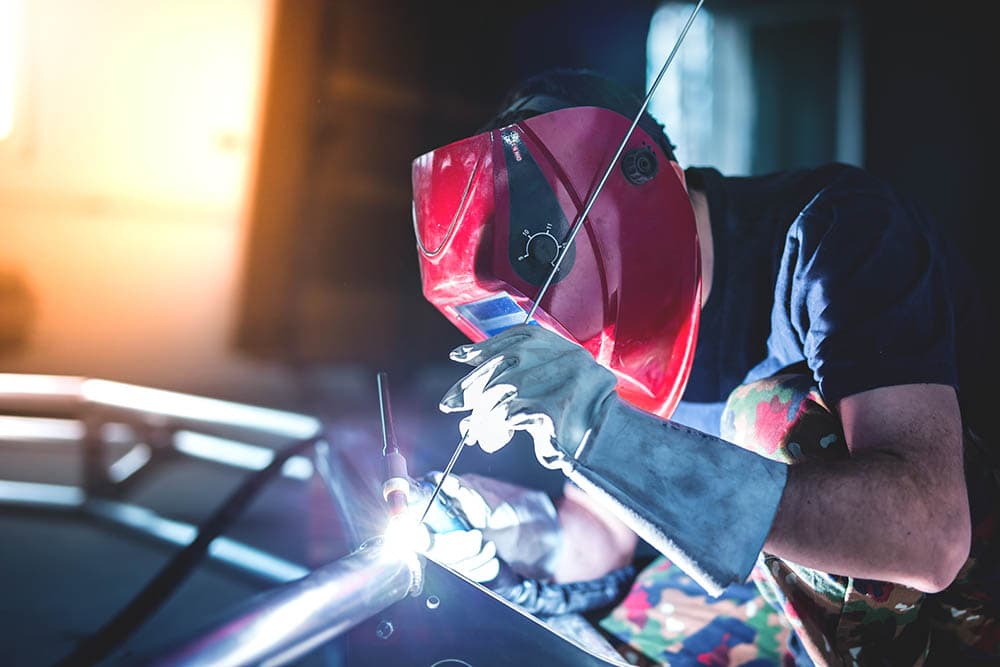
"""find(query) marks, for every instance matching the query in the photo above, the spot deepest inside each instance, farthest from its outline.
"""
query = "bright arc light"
(404, 534)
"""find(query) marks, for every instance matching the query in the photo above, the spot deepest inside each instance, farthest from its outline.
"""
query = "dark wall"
(332, 275)
(357, 91)
(930, 126)
(796, 119)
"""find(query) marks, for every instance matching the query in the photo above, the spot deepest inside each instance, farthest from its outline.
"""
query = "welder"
(781, 373)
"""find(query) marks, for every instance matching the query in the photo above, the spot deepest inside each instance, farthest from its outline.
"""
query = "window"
(9, 21)
(761, 87)
(705, 100)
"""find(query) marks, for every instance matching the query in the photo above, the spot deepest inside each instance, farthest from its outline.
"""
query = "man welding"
(816, 320)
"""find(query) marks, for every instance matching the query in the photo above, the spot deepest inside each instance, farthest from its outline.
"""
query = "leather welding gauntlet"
(703, 502)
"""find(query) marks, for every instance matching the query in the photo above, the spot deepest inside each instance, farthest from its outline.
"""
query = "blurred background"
(213, 197)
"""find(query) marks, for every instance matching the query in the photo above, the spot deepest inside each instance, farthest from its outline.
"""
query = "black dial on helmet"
(537, 223)
(639, 165)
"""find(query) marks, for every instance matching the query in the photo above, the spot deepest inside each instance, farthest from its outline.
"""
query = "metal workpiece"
(287, 622)
(68, 396)
(456, 622)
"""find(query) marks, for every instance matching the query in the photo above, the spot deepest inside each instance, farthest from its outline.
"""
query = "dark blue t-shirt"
(831, 267)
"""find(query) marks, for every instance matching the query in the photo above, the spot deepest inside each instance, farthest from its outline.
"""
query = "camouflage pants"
(667, 619)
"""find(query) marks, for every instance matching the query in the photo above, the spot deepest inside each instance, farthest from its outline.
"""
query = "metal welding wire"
(116, 631)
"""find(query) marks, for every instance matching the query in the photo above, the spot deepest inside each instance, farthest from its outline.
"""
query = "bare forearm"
(870, 516)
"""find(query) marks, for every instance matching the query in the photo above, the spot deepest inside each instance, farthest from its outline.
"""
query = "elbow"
(945, 555)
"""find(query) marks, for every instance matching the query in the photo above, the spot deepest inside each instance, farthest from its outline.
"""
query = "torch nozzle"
(396, 487)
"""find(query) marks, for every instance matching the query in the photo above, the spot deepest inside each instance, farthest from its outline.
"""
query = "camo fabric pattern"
(668, 619)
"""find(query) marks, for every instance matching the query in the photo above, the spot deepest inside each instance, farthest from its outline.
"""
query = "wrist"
(522, 522)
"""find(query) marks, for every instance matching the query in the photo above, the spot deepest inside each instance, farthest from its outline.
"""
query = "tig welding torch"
(396, 487)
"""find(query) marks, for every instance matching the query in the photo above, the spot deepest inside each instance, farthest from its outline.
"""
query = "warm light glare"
(17, 384)
(31, 429)
(7, 65)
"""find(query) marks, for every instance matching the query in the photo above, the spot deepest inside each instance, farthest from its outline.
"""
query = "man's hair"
(561, 88)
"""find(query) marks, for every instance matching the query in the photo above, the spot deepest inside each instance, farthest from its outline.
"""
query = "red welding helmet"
(491, 211)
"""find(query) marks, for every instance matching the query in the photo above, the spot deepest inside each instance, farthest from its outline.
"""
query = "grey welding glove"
(703, 502)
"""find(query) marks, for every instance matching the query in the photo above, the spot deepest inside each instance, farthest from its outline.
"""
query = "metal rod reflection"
(287, 622)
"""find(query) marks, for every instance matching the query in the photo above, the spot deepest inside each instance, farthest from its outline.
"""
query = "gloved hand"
(528, 378)
(504, 537)
(703, 502)
(520, 522)
(446, 535)
(466, 552)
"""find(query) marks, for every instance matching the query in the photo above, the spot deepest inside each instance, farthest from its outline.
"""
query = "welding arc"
(116, 631)
(578, 225)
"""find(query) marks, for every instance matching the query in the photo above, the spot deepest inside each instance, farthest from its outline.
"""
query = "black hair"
(561, 88)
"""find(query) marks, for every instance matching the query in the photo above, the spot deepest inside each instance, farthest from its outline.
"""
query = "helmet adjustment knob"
(541, 247)
(639, 165)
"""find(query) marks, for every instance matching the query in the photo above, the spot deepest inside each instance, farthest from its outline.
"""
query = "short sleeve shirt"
(833, 268)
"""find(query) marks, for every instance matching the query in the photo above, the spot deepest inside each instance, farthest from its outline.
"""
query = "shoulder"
(853, 209)
(798, 194)
(842, 185)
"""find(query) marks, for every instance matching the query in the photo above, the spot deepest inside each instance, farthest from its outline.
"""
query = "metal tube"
(223, 549)
(283, 624)
(66, 394)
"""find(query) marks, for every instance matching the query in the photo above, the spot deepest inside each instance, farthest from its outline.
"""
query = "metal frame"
(94, 414)
(351, 596)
